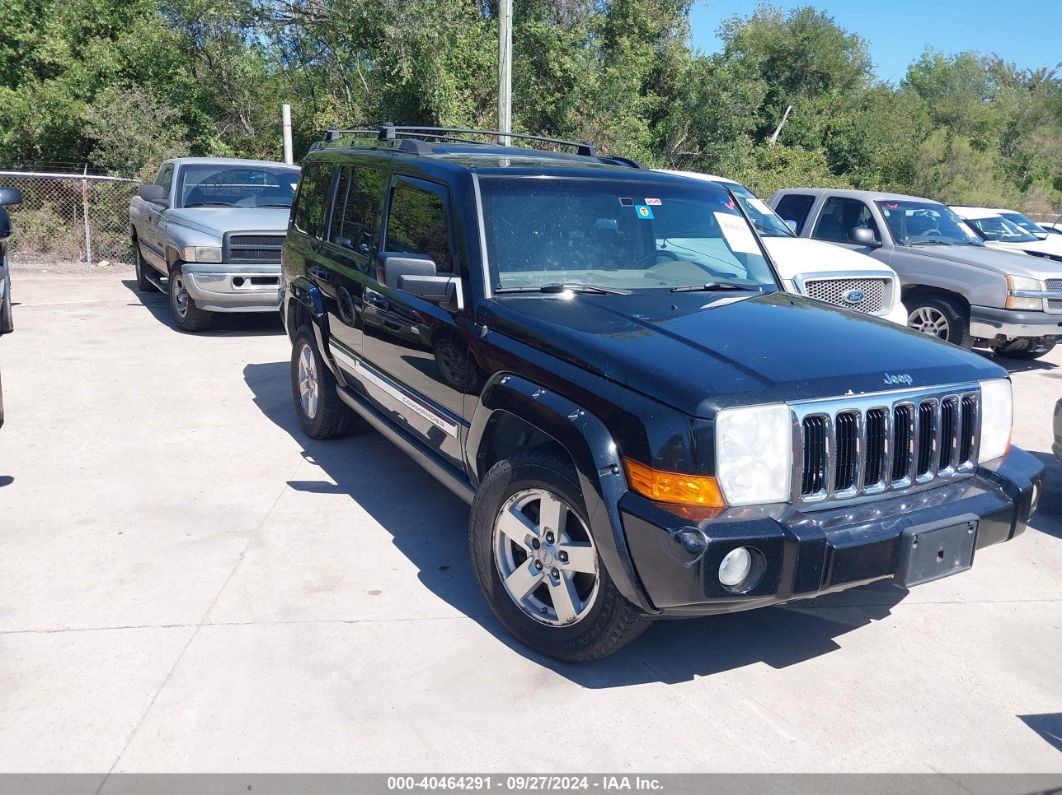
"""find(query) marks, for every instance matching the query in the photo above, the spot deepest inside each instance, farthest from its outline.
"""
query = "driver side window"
(840, 216)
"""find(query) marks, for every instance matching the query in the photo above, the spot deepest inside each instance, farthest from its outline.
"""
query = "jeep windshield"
(926, 223)
(617, 234)
(1000, 230)
(218, 185)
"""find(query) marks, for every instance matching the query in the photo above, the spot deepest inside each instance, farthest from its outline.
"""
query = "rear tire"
(940, 317)
(570, 609)
(185, 313)
(318, 407)
(7, 315)
(142, 283)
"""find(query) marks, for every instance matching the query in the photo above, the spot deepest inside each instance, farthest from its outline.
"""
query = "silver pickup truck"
(208, 231)
(953, 286)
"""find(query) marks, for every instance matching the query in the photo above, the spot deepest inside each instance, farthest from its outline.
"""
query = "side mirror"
(10, 196)
(861, 236)
(155, 194)
(5, 227)
(416, 275)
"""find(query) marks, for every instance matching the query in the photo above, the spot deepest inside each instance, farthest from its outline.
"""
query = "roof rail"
(391, 132)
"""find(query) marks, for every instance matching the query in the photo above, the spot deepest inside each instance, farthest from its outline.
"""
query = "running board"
(153, 277)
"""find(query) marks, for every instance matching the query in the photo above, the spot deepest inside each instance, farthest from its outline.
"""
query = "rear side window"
(417, 222)
(795, 207)
(840, 216)
(356, 214)
(312, 201)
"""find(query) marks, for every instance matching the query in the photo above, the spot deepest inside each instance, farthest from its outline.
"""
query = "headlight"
(997, 417)
(201, 254)
(754, 454)
(1016, 284)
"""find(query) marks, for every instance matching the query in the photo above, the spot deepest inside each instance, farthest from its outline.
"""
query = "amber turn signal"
(674, 487)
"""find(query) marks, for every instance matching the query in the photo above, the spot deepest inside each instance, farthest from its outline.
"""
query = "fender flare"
(594, 453)
(303, 292)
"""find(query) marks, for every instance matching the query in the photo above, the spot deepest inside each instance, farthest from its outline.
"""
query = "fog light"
(735, 567)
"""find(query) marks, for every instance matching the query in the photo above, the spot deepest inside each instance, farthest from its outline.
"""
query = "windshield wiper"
(209, 204)
(711, 287)
(557, 287)
(936, 243)
(272, 205)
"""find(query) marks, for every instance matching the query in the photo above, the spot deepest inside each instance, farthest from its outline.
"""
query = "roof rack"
(391, 132)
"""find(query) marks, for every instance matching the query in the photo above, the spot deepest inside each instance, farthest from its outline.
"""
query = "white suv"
(816, 269)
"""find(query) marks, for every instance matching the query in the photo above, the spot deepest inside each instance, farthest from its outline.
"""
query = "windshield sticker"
(737, 233)
(653, 202)
(760, 205)
(645, 212)
(626, 202)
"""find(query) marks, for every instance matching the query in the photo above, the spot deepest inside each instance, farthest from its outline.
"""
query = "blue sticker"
(644, 211)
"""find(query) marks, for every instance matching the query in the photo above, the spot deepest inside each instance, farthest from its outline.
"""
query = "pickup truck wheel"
(1025, 349)
(142, 284)
(939, 317)
(321, 414)
(537, 563)
(189, 317)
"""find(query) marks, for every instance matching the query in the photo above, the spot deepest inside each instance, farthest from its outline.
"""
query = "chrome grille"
(834, 291)
(849, 447)
(1054, 304)
(252, 247)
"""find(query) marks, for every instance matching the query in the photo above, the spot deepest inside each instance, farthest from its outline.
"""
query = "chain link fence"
(70, 217)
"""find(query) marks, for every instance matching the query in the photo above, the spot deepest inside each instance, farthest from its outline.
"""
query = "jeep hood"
(217, 221)
(993, 259)
(700, 352)
(794, 256)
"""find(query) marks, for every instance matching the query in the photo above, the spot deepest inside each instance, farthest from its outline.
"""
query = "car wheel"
(537, 563)
(7, 315)
(1025, 348)
(142, 283)
(939, 317)
(321, 413)
(188, 316)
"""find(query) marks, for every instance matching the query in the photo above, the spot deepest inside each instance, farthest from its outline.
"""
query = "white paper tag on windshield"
(760, 205)
(737, 233)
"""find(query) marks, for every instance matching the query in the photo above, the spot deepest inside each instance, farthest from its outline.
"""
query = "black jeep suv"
(599, 359)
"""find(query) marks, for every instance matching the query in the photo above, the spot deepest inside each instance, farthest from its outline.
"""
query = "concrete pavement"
(189, 584)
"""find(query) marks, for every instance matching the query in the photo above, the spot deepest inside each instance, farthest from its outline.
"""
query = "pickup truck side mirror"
(416, 274)
(5, 227)
(861, 236)
(155, 194)
(10, 196)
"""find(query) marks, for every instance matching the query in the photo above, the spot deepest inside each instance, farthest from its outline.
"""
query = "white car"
(817, 269)
(999, 230)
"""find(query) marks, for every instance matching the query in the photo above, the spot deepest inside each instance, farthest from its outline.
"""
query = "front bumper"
(989, 322)
(223, 287)
(814, 552)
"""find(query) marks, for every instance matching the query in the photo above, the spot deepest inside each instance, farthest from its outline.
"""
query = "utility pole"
(781, 124)
(505, 69)
(285, 111)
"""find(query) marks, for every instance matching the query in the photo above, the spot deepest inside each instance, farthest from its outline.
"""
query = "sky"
(1026, 32)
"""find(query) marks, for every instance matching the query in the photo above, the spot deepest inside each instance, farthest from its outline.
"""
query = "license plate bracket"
(931, 551)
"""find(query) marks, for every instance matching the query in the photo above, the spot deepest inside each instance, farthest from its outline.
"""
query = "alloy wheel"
(546, 557)
(180, 295)
(930, 320)
(309, 388)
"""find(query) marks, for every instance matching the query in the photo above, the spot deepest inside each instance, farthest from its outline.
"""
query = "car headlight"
(1018, 284)
(201, 254)
(997, 418)
(754, 454)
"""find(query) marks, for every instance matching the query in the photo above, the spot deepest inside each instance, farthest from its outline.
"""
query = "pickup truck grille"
(1054, 304)
(875, 292)
(850, 447)
(252, 247)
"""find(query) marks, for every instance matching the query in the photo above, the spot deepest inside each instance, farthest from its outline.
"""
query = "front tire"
(185, 313)
(7, 315)
(537, 563)
(940, 317)
(321, 413)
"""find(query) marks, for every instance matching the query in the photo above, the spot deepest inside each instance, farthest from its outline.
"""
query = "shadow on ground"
(1018, 365)
(228, 324)
(671, 651)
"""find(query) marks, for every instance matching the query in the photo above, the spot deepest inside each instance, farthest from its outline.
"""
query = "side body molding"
(594, 452)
